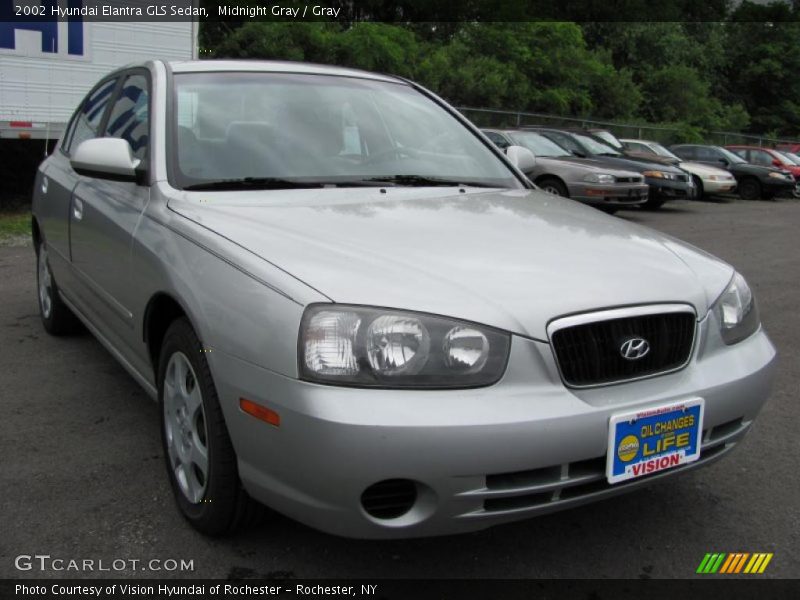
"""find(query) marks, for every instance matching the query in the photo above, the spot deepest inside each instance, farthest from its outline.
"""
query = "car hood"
(587, 165)
(512, 259)
(701, 169)
(629, 163)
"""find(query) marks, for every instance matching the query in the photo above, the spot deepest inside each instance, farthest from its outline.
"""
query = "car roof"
(274, 66)
(749, 147)
(639, 141)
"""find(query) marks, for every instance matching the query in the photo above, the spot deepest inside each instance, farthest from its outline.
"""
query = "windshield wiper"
(255, 183)
(424, 181)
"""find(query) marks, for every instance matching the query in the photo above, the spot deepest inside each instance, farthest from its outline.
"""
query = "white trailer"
(46, 68)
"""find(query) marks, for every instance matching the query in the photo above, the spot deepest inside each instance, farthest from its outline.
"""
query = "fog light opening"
(389, 499)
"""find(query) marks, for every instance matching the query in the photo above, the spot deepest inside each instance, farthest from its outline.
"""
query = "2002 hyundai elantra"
(353, 308)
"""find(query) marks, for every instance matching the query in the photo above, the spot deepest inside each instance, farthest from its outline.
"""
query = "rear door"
(105, 214)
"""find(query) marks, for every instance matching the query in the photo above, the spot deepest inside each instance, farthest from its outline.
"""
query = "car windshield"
(661, 151)
(595, 146)
(608, 138)
(730, 156)
(282, 130)
(539, 145)
(787, 158)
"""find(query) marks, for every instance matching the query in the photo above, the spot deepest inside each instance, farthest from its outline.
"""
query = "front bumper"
(773, 185)
(614, 194)
(523, 447)
(664, 189)
(719, 187)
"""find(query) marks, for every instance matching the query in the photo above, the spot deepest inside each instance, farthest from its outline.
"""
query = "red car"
(767, 157)
(793, 148)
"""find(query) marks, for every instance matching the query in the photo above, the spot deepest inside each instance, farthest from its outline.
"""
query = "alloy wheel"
(185, 428)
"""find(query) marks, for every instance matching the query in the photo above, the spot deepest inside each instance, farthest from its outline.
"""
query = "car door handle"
(77, 209)
(44, 185)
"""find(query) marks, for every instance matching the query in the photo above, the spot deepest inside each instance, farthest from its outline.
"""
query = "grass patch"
(15, 225)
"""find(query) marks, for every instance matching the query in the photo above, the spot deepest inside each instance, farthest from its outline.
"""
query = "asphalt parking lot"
(82, 476)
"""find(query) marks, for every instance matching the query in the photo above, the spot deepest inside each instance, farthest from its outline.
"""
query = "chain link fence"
(487, 117)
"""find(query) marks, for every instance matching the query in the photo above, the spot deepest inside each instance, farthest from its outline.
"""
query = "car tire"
(198, 453)
(750, 189)
(653, 203)
(553, 186)
(698, 186)
(57, 318)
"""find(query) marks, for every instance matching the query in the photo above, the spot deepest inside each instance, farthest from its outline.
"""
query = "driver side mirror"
(776, 163)
(106, 158)
(723, 161)
(521, 157)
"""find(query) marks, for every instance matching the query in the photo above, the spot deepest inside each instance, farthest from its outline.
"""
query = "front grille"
(591, 353)
(629, 180)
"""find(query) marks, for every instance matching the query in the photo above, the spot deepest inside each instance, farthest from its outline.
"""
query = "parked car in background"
(753, 181)
(708, 180)
(794, 148)
(608, 137)
(766, 157)
(353, 307)
(557, 171)
(666, 182)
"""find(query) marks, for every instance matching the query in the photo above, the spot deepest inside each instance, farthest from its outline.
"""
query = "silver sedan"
(352, 307)
(586, 180)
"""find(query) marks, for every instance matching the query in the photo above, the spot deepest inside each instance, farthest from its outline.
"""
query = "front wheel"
(653, 203)
(553, 186)
(200, 459)
(699, 193)
(750, 189)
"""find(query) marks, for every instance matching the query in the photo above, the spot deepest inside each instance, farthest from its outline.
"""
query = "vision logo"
(736, 562)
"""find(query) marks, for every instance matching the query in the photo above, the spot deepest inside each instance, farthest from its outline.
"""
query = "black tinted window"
(564, 141)
(707, 154)
(129, 118)
(498, 139)
(90, 116)
(759, 157)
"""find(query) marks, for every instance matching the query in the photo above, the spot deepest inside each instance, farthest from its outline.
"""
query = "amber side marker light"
(260, 412)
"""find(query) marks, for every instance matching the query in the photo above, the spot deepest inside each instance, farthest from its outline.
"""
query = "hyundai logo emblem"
(634, 348)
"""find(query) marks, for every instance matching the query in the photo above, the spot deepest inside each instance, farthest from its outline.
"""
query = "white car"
(709, 180)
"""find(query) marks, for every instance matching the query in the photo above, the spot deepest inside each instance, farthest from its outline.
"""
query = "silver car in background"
(557, 171)
(352, 307)
(707, 179)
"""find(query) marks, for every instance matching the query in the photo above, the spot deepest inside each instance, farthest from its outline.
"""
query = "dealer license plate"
(654, 439)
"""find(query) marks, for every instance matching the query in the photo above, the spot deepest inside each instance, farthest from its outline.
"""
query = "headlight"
(714, 178)
(778, 175)
(374, 347)
(659, 174)
(600, 178)
(736, 311)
